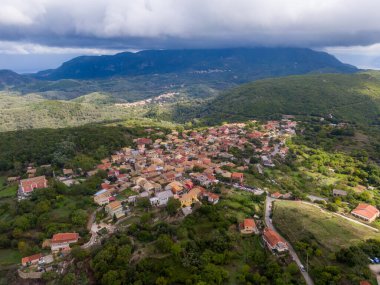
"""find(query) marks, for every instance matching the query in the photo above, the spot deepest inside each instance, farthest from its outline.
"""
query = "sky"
(41, 34)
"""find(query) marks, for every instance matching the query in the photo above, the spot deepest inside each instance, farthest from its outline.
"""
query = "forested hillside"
(251, 63)
(354, 98)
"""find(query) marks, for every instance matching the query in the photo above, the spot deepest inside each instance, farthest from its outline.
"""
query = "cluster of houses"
(272, 239)
(33, 266)
(183, 165)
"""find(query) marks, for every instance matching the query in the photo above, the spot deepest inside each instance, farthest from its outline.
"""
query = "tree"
(164, 243)
(112, 277)
(24, 248)
(78, 253)
(22, 223)
(161, 281)
(68, 279)
(213, 274)
(79, 217)
(173, 206)
(143, 203)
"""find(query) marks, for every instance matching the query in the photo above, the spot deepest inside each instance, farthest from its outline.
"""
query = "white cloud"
(366, 57)
(9, 47)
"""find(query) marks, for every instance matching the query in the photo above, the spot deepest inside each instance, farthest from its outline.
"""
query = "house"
(102, 197)
(366, 212)
(31, 260)
(276, 195)
(274, 241)
(237, 176)
(188, 184)
(190, 197)
(67, 172)
(26, 186)
(62, 241)
(339, 193)
(175, 186)
(187, 211)
(211, 197)
(248, 227)
(115, 208)
(364, 282)
(163, 197)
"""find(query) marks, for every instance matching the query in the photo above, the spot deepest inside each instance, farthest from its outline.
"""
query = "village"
(187, 167)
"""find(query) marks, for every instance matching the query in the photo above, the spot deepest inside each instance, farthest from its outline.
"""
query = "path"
(292, 252)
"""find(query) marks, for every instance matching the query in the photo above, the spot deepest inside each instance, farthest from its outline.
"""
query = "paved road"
(292, 252)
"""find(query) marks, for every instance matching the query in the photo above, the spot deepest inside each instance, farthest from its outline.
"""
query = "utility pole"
(307, 262)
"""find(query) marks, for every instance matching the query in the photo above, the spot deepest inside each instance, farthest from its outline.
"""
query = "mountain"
(247, 63)
(350, 97)
(10, 78)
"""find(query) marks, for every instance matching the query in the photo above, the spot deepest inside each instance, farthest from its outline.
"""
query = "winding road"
(292, 252)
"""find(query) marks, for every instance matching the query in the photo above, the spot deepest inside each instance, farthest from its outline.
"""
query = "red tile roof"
(365, 210)
(31, 258)
(272, 237)
(364, 282)
(28, 185)
(65, 237)
(250, 223)
(237, 175)
(276, 195)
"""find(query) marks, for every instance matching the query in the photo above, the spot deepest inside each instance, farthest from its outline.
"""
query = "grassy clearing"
(240, 204)
(298, 221)
(9, 257)
(6, 190)
(125, 194)
(323, 234)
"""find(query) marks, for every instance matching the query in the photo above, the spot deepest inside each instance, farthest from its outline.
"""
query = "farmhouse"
(62, 241)
(31, 260)
(274, 241)
(248, 227)
(366, 212)
(27, 186)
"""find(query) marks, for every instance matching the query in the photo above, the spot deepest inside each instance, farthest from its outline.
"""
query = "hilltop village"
(177, 171)
(184, 168)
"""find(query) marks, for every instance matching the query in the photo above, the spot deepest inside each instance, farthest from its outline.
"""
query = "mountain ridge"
(258, 62)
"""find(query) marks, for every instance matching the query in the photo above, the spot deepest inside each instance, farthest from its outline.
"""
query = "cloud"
(184, 23)
(366, 57)
(13, 48)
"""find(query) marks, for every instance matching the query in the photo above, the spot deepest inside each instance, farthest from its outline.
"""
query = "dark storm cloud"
(168, 23)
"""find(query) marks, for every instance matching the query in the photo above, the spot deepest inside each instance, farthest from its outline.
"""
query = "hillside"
(32, 111)
(253, 62)
(354, 97)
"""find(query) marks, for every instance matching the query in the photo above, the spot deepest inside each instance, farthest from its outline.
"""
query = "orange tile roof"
(30, 184)
(237, 175)
(64, 237)
(272, 237)
(249, 223)
(365, 210)
(114, 205)
(31, 258)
